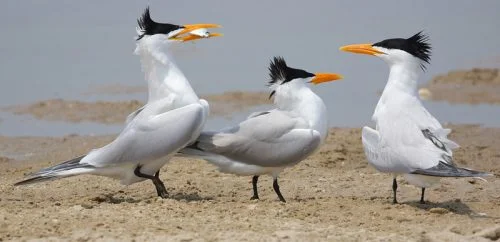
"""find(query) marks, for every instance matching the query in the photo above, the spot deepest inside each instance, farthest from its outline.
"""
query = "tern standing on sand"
(173, 116)
(268, 142)
(408, 140)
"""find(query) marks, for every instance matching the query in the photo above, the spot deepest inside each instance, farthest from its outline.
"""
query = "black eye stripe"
(293, 73)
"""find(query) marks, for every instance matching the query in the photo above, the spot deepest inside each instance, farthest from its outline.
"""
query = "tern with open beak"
(172, 118)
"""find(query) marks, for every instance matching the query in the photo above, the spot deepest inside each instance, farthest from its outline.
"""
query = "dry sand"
(115, 112)
(334, 195)
(466, 86)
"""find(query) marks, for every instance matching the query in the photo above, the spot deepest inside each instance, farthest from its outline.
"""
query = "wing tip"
(33, 180)
(54, 172)
(443, 169)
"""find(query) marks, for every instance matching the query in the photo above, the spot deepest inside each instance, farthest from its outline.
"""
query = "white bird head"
(415, 49)
(166, 33)
(280, 74)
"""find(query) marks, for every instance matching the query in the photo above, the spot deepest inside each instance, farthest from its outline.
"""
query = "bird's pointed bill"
(366, 49)
(191, 37)
(190, 29)
(325, 77)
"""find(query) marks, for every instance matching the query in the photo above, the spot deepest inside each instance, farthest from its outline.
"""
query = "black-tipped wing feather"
(443, 169)
(52, 173)
(430, 136)
(67, 165)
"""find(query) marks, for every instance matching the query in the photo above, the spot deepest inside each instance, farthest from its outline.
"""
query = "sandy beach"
(334, 195)
(73, 71)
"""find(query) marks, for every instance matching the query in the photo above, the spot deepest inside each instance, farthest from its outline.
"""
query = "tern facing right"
(408, 140)
(172, 118)
(268, 142)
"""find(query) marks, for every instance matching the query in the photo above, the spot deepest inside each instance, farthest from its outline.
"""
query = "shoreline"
(108, 112)
(470, 86)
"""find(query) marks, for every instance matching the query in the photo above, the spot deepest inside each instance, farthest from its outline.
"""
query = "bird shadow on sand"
(455, 206)
(117, 198)
(114, 199)
(189, 197)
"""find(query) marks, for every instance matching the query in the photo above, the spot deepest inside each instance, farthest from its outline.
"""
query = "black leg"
(160, 187)
(422, 197)
(394, 189)
(255, 179)
(277, 190)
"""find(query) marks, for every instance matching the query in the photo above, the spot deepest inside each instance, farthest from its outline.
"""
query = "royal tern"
(268, 142)
(408, 140)
(172, 118)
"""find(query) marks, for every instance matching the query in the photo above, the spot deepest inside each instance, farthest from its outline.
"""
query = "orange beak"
(191, 37)
(325, 77)
(366, 49)
(188, 28)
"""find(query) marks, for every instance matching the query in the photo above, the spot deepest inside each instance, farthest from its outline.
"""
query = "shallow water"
(60, 49)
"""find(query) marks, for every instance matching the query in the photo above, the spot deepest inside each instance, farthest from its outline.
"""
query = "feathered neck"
(401, 86)
(296, 97)
(403, 77)
(288, 95)
(161, 72)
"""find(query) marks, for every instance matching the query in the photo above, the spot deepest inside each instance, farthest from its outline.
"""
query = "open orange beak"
(366, 49)
(325, 77)
(195, 36)
(188, 28)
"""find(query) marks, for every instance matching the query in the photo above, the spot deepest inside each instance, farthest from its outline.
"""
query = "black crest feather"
(150, 27)
(417, 45)
(421, 47)
(280, 72)
(277, 70)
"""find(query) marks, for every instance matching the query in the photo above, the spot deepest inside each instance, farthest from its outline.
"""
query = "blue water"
(60, 49)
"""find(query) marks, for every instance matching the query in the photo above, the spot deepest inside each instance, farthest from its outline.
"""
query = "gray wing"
(443, 169)
(150, 137)
(269, 139)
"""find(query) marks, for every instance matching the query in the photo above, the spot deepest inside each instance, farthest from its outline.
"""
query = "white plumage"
(407, 140)
(268, 142)
(173, 117)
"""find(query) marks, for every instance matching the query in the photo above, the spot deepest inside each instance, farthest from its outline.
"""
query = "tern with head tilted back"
(172, 118)
(408, 140)
(268, 142)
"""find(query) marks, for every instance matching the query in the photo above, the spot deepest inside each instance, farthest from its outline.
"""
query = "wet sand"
(115, 112)
(78, 111)
(334, 195)
(465, 86)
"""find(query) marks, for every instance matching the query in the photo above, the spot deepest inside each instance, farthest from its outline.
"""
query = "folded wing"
(270, 139)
